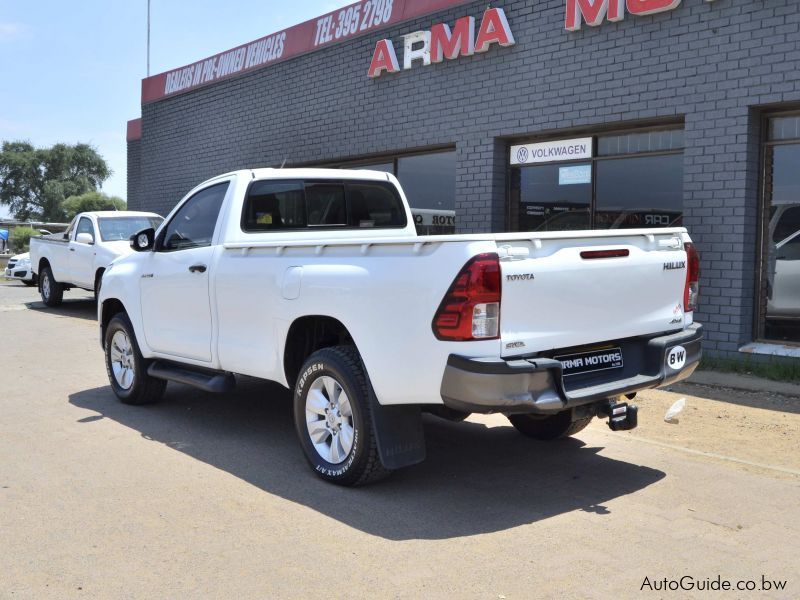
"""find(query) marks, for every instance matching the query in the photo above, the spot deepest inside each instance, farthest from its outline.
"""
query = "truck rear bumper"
(537, 385)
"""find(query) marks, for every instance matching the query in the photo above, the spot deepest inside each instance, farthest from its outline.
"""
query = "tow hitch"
(621, 416)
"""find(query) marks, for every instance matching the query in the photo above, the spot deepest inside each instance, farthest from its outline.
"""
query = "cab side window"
(85, 226)
(193, 225)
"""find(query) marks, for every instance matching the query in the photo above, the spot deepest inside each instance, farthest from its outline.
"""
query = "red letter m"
(447, 45)
(593, 12)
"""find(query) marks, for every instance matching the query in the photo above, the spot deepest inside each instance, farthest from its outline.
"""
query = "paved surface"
(210, 497)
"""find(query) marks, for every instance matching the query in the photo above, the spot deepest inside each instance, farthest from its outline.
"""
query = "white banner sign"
(529, 154)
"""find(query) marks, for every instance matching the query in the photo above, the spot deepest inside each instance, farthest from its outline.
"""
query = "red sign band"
(349, 22)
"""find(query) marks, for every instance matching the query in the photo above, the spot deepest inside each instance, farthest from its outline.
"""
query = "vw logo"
(522, 154)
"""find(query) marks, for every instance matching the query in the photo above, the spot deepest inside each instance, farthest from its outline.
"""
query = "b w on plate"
(676, 358)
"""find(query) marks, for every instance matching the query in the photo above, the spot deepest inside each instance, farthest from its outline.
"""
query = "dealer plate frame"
(600, 351)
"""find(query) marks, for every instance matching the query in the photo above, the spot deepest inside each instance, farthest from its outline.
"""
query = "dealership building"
(526, 115)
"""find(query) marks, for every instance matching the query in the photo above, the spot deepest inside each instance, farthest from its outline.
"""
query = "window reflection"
(552, 198)
(782, 279)
(645, 191)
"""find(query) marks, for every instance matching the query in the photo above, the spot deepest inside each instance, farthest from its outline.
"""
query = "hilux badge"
(672, 266)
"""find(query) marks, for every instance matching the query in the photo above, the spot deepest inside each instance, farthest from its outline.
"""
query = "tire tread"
(149, 390)
(553, 427)
(349, 358)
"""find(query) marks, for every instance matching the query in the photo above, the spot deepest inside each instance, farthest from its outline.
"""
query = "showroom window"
(779, 298)
(616, 181)
(429, 182)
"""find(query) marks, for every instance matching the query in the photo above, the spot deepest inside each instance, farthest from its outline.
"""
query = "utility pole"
(148, 38)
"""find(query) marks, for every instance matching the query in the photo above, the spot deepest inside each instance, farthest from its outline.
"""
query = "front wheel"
(126, 368)
(333, 420)
(552, 427)
(52, 292)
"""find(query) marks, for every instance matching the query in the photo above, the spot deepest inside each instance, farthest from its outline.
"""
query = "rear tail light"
(470, 310)
(691, 292)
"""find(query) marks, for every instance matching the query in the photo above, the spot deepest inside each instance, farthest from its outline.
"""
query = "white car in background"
(784, 302)
(19, 268)
(78, 257)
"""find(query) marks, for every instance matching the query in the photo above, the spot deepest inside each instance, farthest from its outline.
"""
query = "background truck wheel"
(29, 283)
(553, 427)
(333, 420)
(126, 368)
(52, 292)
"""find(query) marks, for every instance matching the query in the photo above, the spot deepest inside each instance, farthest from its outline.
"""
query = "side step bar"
(208, 381)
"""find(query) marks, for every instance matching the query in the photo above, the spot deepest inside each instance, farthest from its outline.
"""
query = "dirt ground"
(203, 496)
(751, 427)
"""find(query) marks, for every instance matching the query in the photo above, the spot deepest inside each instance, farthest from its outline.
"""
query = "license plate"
(588, 362)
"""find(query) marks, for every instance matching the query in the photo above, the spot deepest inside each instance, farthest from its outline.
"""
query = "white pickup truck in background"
(79, 256)
(317, 280)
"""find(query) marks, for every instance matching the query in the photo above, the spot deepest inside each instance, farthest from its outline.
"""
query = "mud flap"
(399, 433)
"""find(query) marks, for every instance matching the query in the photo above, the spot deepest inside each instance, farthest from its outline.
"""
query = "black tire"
(361, 464)
(30, 283)
(553, 427)
(143, 389)
(52, 292)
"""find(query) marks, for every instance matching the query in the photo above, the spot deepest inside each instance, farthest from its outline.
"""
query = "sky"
(71, 71)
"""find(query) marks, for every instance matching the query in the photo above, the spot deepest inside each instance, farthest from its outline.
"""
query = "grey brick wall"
(712, 65)
(134, 173)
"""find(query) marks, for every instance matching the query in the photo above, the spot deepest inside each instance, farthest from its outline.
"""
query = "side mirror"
(143, 240)
(84, 238)
(65, 235)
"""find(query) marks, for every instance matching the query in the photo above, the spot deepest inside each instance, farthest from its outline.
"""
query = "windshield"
(113, 229)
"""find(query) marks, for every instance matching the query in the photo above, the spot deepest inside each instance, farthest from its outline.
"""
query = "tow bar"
(621, 416)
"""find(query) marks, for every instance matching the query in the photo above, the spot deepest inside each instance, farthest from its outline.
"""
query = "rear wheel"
(52, 292)
(559, 425)
(333, 420)
(126, 368)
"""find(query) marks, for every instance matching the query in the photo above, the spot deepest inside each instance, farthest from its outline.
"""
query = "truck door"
(176, 307)
(81, 254)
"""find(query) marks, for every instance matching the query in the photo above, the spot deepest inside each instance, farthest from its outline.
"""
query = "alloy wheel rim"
(122, 362)
(329, 419)
(46, 286)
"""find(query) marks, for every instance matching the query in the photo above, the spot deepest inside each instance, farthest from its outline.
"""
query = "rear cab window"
(313, 204)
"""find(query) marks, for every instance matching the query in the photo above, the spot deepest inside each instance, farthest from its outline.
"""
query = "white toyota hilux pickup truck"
(316, 279)
(79, 256)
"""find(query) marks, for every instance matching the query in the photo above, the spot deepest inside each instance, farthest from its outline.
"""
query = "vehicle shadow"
(475, 479)
(78, 308)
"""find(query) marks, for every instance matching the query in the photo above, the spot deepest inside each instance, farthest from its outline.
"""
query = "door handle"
(197, 269)
(72, 249)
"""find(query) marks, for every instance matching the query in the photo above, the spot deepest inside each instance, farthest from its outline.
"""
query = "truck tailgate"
(562, 293)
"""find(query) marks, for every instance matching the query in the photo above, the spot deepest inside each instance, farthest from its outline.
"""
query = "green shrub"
(776, 368)
(19, 238)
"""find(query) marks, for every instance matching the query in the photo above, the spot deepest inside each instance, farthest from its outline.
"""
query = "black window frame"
(158, 246)
(764, 235)
(345, 183)
(393, 159)
(593, 160)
